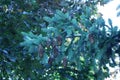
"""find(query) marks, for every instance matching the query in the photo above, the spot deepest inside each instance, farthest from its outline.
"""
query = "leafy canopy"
(56, 39)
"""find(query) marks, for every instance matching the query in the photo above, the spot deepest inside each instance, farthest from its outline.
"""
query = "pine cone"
(41, 50)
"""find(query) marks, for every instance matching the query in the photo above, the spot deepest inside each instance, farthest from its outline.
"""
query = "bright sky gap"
(109, 11)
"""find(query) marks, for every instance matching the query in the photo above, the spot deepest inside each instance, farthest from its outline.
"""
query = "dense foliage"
(56, 40)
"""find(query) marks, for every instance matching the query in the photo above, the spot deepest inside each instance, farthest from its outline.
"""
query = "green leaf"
(79, 67)
(74, 22)
(69, 32)
(67, 16)
(57, 17)
(88, 12)
(100, 21)
(60, 13)
(70, 55)
(115, 28)
(47, 19)
(32, 49)
(110, 22)
(44, 59)
(26, 43)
